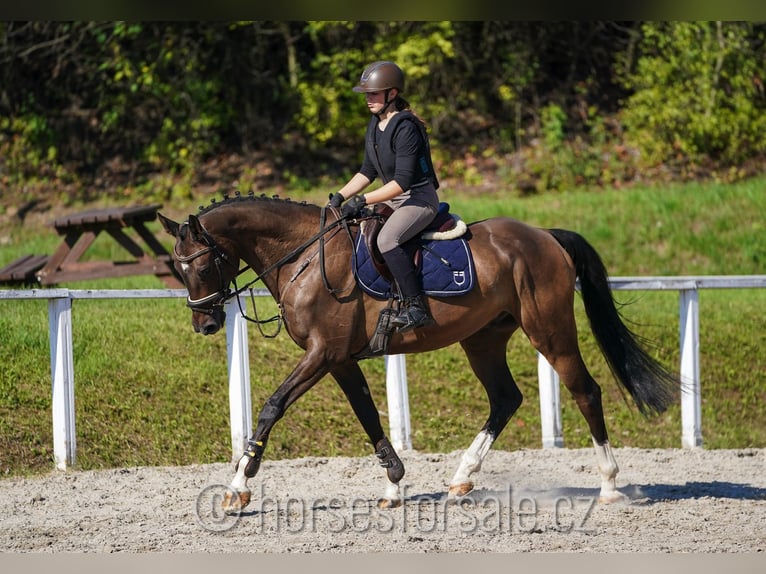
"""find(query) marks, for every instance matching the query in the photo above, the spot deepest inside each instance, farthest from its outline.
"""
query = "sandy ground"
(525, 501)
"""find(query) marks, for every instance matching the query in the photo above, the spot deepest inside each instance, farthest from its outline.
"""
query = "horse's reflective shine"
(525, 280)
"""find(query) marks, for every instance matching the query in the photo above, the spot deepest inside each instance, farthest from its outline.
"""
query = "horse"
(525, 278)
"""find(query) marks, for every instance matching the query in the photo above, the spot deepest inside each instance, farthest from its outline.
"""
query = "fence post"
(240, 406)
(398, 402)
(550, 404)
(691, 399)
(62, 375)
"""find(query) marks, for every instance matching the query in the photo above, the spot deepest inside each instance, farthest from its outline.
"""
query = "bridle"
(209, 303)
(214, 302)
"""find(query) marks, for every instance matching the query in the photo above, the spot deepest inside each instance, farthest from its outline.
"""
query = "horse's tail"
(651, 386)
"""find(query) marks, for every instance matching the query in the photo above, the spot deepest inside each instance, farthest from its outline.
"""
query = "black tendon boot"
(413, 315)
(414, 311)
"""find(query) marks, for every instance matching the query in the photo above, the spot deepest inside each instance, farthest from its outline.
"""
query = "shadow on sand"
(636, 494)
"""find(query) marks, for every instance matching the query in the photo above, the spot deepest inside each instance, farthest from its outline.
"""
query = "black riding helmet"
(381, 76)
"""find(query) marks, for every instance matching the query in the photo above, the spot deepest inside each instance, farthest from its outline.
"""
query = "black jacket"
(401, 152)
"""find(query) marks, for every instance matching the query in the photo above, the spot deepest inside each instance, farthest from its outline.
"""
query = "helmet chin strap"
(386, 103)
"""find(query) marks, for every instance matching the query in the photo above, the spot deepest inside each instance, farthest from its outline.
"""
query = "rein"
(322, 217)
(313, 239)
(224, 294)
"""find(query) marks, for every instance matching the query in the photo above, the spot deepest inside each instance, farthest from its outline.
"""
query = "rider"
(397, 151)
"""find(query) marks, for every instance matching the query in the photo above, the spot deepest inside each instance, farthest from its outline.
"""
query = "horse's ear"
(169, 225)
(196, 229)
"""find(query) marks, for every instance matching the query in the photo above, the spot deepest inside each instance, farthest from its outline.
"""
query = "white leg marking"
(608, 469)
(472, 458)
(239, 482)
(392, 491)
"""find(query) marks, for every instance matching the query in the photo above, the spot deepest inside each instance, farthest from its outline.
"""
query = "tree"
(698, 93)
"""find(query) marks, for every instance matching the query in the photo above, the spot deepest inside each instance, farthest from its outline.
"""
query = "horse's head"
(207, 270)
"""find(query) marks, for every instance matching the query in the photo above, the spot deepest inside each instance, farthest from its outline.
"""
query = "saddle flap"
(369, 228)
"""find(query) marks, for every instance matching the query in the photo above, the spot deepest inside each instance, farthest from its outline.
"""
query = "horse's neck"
(265, 233)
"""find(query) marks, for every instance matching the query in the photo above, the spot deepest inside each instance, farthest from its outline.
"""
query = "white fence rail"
(689, 334)
(62, 362)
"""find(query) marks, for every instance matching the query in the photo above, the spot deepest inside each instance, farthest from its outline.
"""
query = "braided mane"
(239, 198)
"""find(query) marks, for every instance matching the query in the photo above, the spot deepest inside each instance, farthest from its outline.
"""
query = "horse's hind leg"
(587, 394)
(486, 354)
(351, 380)
(562, 352)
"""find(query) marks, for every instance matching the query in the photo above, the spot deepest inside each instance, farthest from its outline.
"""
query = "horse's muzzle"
(208, 322)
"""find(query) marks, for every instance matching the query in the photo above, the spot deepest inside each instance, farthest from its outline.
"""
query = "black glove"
(336, 199)
(353, 207)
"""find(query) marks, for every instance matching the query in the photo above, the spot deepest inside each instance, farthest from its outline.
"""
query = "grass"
(149, 391)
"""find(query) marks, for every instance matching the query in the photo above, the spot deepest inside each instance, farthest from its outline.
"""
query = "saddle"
(442, 258)
(441, 255)
(444, 226)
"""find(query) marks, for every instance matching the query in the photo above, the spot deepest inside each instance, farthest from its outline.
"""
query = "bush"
(698, 94)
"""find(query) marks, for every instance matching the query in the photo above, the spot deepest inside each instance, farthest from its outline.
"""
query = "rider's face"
(376, 100)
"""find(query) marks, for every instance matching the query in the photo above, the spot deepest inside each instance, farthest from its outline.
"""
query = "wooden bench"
(80, 230)
(23, 271)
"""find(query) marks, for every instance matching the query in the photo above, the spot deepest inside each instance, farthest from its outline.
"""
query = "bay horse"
(525, 279)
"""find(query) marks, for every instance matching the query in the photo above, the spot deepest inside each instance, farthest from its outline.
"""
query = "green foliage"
(698, 93)
(28, 154)
(553, 121)
(112, 97)
(329, 110)
(91, 108)
(558, 162)
(171, 79)
(326, 99)
(136, 98)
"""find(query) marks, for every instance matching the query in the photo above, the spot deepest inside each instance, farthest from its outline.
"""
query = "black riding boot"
(414, 314)
(414, 311)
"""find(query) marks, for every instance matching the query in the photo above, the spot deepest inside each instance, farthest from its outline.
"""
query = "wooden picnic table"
(80, 230)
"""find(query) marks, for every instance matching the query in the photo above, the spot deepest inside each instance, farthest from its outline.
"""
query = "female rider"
(397, 151)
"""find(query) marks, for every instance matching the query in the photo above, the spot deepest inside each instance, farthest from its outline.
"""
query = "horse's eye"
(204, 271)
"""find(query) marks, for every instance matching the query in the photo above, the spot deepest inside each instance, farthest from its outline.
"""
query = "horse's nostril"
(209, 328)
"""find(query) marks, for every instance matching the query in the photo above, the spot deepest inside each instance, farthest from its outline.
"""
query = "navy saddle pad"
(446, 269)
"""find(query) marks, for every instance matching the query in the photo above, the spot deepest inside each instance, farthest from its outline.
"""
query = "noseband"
(215, 301)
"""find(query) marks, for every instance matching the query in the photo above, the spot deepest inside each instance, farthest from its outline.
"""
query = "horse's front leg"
(311, 368)
(351, 380)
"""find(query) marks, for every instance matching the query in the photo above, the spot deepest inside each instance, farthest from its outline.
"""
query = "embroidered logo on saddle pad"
(446, 269)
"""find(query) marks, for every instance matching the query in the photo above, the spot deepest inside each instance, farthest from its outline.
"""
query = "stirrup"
(415, 314)
(411, 323)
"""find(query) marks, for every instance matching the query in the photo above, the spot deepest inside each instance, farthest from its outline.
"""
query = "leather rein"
(216, 300)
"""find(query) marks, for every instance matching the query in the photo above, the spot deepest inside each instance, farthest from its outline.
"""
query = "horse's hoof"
(458, 490)
(235, 501)
(612, 497)
(387, 503)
